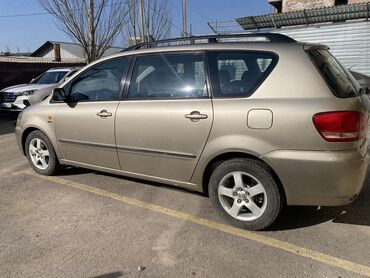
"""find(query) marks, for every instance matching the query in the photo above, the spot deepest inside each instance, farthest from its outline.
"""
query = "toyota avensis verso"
(256, 124)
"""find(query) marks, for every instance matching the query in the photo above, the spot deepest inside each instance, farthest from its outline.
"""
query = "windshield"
(50, 77)
(340, 81)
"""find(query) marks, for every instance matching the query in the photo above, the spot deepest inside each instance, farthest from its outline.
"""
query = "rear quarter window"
(239, 73)
(339, 80)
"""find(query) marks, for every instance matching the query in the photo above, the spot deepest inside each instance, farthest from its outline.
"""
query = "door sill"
(187, 185)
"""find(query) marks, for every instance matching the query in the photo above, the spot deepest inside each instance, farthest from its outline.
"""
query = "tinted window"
(336, 76)
(100, 83)
(50, 77)
(238, 74)
(168, 76)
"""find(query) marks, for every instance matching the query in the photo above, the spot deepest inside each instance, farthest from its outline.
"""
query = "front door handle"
(104, 114)
(196, 116)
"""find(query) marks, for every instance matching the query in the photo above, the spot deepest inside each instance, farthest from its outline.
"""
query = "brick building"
(284, 6)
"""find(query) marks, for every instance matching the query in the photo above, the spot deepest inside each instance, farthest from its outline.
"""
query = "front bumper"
(320, 178)
(17, 105)
(18, 136)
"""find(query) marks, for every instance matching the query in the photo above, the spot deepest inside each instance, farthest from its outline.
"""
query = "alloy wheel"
(242, 196)
(39, 153)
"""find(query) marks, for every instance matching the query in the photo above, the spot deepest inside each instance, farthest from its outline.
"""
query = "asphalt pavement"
(83, 223)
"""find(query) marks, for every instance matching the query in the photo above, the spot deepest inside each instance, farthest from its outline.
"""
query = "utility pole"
(91, 16)
(133, 7)
(148, 21)
(142, 32)
(184, 27)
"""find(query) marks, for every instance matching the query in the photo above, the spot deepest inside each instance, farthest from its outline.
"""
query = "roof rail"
(271, 37)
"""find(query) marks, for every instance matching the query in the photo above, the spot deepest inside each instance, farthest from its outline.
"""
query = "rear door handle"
(104, 114)
(195, 116)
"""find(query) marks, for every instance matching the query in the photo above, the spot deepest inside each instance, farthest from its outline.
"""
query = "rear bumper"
(319, 178)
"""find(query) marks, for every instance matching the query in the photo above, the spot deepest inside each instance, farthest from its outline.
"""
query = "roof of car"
(272, 42)
(64, 69)
(255, 41)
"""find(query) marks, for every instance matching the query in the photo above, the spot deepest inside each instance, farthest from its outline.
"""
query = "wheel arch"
(25, 134)
(27, 131)
(217, 160)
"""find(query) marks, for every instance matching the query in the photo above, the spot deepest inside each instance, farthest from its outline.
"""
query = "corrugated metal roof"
(73, 48)
(306, 17)
(38, 60)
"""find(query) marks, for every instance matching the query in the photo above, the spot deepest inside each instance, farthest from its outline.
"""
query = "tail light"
(343, 126)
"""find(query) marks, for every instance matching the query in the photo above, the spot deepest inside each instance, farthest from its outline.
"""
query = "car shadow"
(7, 122)
(292, 217)
(356, 213)
(72, 171)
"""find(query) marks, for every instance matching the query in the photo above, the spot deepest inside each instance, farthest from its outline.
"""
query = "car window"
(168, 76)
(50, 77)
(342, 83)
(100, 83)
(238, 74)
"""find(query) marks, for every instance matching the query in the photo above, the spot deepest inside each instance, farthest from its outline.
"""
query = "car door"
(84, 125)
(164, 122)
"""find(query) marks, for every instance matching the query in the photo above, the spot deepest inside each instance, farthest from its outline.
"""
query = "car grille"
(7, 97)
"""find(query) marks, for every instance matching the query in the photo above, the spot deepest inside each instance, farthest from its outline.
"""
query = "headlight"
(27, 93)
(19, 118)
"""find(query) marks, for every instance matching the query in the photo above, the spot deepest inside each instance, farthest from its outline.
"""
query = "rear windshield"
(341, 83)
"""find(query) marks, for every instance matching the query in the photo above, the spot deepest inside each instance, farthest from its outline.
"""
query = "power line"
(201, 14)
(48, 13)
(166, 19)
(179, 11)
(22, 15)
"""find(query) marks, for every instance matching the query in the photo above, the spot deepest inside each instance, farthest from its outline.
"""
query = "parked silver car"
(256, 125)
(362, 79)
(16, 98)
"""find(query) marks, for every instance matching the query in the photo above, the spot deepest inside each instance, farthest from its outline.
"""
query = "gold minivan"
(256, 124)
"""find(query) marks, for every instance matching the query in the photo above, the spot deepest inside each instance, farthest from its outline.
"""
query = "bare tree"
(157, 20)
(93, 24)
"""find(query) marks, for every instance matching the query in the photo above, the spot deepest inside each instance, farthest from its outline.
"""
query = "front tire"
(41, 154)
(245, 193)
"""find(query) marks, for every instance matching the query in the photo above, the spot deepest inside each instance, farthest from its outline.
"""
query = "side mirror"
(76, 97)
(59, 95)
(32, 80)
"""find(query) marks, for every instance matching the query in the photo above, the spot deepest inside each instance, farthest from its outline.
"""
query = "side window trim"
(213, 70)
(127, 81)
(70, 84)
(130, 73)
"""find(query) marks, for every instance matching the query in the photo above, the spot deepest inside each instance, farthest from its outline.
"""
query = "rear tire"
(41, 154)
(244, 192)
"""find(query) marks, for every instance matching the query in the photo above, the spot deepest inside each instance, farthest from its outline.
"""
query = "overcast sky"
(27, 33)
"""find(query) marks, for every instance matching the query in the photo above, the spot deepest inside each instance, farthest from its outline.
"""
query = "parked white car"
(18, 97)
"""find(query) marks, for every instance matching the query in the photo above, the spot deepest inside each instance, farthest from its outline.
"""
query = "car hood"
(27, 87)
